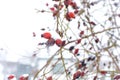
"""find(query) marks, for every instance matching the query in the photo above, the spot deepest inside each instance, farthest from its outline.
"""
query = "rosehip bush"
(88, 31)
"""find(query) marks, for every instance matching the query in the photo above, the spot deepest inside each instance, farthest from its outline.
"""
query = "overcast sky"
(18, 19)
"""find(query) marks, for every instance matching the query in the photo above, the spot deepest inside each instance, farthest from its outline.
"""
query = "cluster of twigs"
(86, 33)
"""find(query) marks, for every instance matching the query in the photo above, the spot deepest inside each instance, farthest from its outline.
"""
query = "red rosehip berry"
(103, 72)
(76, 75)
(78, 41)
(52, 9)
(46, 35)
(10, 77)
(82, 32)
(58, 42)
(76, 51)
(23, 77)
(49, 78)
(67, 17)
(71, 14)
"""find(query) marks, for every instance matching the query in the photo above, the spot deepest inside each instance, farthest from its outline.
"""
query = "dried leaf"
(81, 12)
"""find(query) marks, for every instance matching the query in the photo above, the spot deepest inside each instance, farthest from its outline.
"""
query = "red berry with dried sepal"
(76, 51)
(74, 5)
(46, 35)
(58, 42)
(76, 75)
(78, 41)
(70, 15)
(67, 3)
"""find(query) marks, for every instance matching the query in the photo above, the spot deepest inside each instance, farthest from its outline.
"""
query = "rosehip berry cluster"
(22, 77)
(51, 41)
